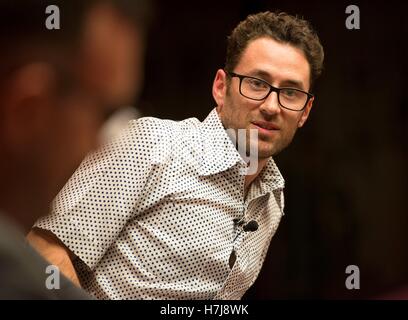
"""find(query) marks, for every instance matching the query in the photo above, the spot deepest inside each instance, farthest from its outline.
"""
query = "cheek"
(289, 126)
(291, 120)
(241, 112)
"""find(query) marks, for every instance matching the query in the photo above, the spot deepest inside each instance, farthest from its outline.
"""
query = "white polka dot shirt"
(151, 214)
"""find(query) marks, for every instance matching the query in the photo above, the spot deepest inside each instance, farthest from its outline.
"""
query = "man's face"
(279, 64)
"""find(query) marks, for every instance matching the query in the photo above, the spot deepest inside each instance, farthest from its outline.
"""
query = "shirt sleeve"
(101, 197)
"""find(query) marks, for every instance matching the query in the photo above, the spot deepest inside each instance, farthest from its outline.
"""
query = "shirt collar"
(218, 153)
(270, 176)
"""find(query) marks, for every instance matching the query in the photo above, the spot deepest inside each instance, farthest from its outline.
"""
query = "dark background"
(346, 173)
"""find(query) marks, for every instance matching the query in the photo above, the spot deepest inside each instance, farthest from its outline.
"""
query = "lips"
(265, 125)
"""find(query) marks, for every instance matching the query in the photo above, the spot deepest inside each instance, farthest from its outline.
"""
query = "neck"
(249, 178)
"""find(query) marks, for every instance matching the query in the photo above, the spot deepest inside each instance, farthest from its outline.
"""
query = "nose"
(270, 106)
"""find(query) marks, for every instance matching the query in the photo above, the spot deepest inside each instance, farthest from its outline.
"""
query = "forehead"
(277, 62)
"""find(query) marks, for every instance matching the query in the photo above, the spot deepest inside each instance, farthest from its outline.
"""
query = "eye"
(290, 93)
(257, 84)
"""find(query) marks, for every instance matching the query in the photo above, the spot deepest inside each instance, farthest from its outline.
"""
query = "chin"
(266, 149)
(264, 153)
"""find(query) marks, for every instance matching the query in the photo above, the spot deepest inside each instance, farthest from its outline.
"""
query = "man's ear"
(27, 100)
(219, 88)
(305, 113)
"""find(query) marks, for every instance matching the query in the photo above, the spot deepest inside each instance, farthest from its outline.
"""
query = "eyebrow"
(290, 82)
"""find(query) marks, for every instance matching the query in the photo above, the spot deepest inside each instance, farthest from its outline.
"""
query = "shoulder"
(158, 137)
(143, 142)
(155, 128)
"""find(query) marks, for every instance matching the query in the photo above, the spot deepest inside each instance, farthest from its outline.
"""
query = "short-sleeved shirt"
(152, 215)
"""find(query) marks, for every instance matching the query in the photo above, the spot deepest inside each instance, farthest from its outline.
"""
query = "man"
(57, 86)
(168, 211)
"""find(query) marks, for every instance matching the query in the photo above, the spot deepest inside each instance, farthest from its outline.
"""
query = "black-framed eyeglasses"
(258, 90)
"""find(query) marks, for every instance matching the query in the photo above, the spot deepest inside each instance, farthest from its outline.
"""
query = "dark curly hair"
(281, 27)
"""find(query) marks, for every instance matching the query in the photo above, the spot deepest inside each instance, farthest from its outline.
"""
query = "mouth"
(265, 126)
